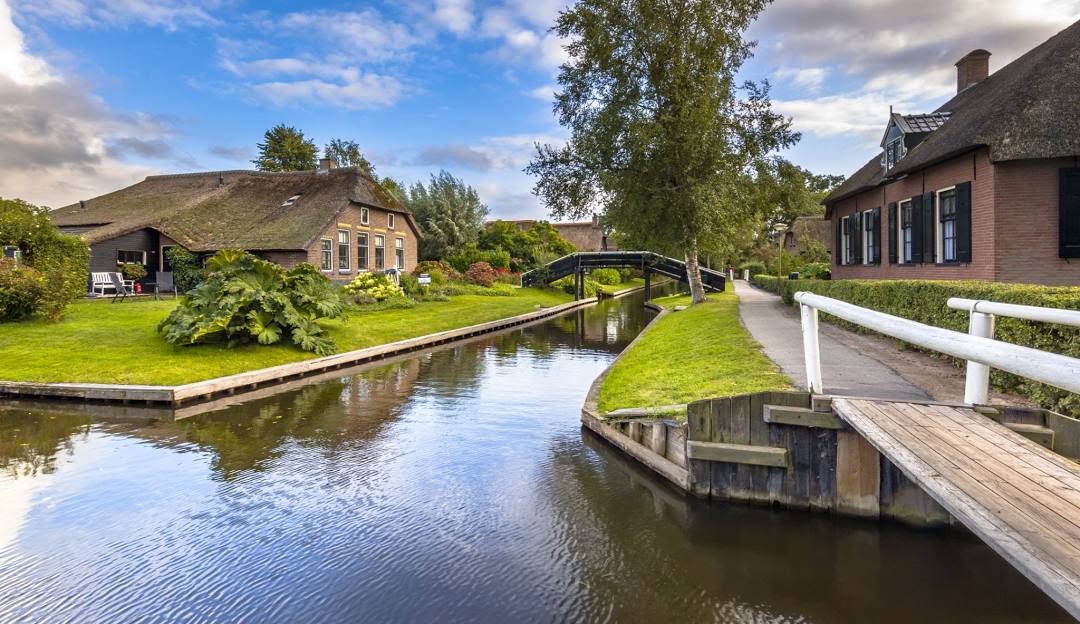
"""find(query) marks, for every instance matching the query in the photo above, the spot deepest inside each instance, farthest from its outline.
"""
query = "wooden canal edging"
(220, 386)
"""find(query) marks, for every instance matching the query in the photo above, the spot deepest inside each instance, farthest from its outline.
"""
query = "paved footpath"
(844, 369)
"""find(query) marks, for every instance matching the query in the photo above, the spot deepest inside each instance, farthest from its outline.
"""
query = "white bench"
(100, 282)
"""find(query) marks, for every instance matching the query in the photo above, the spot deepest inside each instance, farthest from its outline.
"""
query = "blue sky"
(96, 95)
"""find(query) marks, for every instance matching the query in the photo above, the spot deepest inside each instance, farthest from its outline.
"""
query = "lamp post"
(780, 228)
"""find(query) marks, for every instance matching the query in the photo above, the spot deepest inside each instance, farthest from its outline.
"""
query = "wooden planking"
(659, 464)
(1043, 436)
(800, 417)
(699, 428)
(722, 452)
(1015, 495)
(858, 475)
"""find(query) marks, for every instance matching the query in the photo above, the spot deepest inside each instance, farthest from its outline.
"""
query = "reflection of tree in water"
(31, 441)
(325, 415)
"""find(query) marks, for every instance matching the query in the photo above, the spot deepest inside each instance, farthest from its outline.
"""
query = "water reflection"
(455, 485)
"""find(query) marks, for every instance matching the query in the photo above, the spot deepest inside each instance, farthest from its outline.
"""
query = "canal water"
(452, 486)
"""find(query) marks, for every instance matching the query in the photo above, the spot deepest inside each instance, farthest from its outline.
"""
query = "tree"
(539, 244)
(662, 139)
(397, 190)
(786, 191)
(449, 212)
(348, 154)
(285, 148)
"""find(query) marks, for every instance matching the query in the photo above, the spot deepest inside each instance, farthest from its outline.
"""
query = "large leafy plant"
(246, 299)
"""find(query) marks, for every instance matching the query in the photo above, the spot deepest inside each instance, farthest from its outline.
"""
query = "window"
(906, 232)
(361, 251)
(946, 226)
(363, 215)
(344, 252)
(1068, 213)
(399, 253)
(380, 252)
(869, 237)
(894, 147)
(292, 200)
(125, 257)
(325, 252)
(848, 249)
(390, 220)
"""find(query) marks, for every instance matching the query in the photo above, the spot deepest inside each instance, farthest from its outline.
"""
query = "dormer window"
(894, 147)
(292, 200)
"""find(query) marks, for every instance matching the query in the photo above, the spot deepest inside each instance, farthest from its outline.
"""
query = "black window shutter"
(1069, 214)
(929, 228)
(838, 246)
(963, 222)
(893, 244)
(875, 235)
(916, 229)
(856, 233)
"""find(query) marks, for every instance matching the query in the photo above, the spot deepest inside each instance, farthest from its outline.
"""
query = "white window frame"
(390, 221)
(845, 240)
(399, 253)
(326, 255)
(365, 216)
(380, 245)
(362, 260)
(867, 237)
(901, 253)
(939, 230)
(344, 260)
(131, 251)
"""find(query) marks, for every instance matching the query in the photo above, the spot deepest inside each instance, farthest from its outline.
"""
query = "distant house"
(338, 219)
(985, 187)
(802, 230)
(584, 235)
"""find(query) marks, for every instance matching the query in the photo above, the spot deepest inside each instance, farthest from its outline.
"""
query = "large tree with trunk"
(664, 142)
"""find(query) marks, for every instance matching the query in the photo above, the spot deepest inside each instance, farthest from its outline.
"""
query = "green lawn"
(98, 341)
(697, 353)
(633, 282)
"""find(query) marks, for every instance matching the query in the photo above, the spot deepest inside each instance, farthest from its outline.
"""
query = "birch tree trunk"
(693, 273)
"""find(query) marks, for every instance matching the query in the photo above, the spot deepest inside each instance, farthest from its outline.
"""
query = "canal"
(455, 485)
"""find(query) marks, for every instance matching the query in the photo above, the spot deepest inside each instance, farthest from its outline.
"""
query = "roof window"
(292, 200)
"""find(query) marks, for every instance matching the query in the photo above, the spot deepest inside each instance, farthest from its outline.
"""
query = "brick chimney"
(973, 68)
(326, 164)
(596, 220)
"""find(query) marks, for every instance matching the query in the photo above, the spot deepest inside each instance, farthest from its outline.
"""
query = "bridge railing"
(1056, 370)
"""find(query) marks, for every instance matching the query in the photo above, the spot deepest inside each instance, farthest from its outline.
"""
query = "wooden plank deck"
(1020, 498)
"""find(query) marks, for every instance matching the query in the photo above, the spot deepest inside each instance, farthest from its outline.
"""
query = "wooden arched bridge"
(577, 264)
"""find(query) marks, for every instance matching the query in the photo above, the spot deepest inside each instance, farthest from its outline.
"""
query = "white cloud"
(368, 91)
(358, 35)
(454, 15)
(168, 14)
(544, 93)
(862, 116)
(808, 78)
(520, 41)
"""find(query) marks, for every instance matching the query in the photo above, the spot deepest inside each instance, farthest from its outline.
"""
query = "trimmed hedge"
(924, 301)
(770, 283)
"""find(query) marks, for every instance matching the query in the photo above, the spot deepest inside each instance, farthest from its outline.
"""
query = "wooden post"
(858, 476)
(648, 284)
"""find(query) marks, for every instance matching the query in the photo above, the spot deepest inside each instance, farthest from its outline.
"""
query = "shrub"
(566, 284)
(754, 266)
(188, 271)
(133, 271)
(766, 282)
(377, 286)
(21, 291)
(481, 274)
(454, 290)
(816, 270)
(924, 301)
(470, 254)
(608, 277)
(504, 276)
(246, 299)
(440, 272)
(410, 284)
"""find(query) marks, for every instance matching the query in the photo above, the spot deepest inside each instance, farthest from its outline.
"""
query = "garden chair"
(119, 287)
(163, 282)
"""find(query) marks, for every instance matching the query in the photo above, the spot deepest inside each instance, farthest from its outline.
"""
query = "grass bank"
(633, 282)
(102, 342)
(697, 353)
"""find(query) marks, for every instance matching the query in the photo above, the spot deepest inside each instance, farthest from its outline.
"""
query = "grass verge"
(633, 282)
(102, 342)
(697, 353)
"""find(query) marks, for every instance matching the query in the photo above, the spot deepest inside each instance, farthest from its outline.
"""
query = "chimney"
(82, 204)
(326, 164)
(973, 68)
(596, 220)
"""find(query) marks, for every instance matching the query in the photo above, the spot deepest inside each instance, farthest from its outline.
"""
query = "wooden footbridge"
(1008, 474)
(577, 264)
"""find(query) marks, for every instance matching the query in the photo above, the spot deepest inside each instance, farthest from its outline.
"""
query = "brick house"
(338, 219)
(985, 187)
(802, 231)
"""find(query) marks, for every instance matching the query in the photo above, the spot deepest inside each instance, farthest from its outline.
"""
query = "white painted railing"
(981, 323)
(1050, 368)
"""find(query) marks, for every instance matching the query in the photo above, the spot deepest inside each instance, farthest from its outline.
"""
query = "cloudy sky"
(97, 95)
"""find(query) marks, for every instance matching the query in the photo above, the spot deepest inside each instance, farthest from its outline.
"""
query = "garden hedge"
(924, 301)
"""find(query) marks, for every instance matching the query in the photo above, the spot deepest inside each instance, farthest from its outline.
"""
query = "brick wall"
(974, 167)
(349, 219)
(1026, 238)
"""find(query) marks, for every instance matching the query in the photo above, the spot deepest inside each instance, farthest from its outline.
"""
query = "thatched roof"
(230, 209)
(1027, 109)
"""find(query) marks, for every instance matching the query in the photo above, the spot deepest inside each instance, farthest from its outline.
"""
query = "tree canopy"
(284, 148)
(663, 140)
(347, 154)
(449, 212)
(539, 244)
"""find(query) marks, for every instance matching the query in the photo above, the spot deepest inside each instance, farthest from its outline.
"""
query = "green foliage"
(62, 260)
(470, 254)
(661, 134)
(440, 272)
(348, 154)
(285, 148)
(21, 291)
(188, 271)
(449, 212)
(376, 286)
(609, 277)
(410, 284)
(457, 290)
(566, 284)
(924, 301)
(816, 270)
(246, 299)
(527, 249)
(481, 274)
(770, 283)
(133, 270)
(754, 266)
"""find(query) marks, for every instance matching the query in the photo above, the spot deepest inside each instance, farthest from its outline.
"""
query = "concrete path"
(845, 368)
